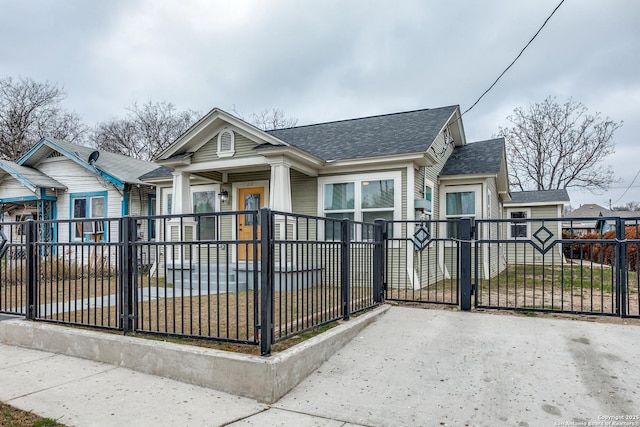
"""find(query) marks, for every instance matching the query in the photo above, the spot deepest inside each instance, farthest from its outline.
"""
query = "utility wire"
(625, 191)
(514, 61)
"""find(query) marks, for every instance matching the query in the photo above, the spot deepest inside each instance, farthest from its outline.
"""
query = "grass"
(578, 287)
(14, 417)
(241, 348)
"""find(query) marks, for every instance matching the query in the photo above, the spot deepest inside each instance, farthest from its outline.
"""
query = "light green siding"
(304, 193)
(520, 251)
(244, 147)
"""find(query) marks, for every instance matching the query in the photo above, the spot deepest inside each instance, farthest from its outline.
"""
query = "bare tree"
(554, 146)
(146, 130)
(266, 119)
(629, 206)
(29, 111)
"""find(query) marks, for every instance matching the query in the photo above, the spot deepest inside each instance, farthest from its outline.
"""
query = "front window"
(339, 203)
(88, 206)
(362, 200)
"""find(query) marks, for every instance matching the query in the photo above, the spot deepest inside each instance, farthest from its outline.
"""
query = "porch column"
(280, 185)
(181, 193)
(180, 229)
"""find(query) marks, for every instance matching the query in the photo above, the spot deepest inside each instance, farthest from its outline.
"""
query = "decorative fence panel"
(252, 277)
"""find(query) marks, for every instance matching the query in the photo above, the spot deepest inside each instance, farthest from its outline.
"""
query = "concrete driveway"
(411, 367)
(435, 367)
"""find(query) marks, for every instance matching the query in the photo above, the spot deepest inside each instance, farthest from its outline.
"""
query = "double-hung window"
(364, 199)
(89, 205)
(460, 202)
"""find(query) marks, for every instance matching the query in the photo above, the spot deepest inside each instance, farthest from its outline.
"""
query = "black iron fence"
(253, 277)
(258, 277)
(550, 264)
(532, 264)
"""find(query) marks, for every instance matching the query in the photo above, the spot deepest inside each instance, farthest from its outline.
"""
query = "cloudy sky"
(336, 59)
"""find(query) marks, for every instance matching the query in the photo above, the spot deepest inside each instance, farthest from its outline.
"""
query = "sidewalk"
(411, 367)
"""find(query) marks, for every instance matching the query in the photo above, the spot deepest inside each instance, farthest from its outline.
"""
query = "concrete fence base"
(265, 379)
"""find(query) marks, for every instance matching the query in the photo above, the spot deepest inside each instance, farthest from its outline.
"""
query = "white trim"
(477, 188)
(411, 189)
(209, 121)
(428, 183)
(396, 176)
(232, 148)
(420, 159)
(517, 205)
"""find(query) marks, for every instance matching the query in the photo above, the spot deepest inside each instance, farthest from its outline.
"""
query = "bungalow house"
(414, 165)
(58, 180)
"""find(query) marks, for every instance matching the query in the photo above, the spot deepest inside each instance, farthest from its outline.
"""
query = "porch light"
(224, 196)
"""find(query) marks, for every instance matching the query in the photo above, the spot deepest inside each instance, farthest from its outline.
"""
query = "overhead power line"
(514, 61)
(625, 191)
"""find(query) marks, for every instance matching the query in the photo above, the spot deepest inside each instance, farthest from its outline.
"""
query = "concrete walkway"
(410, 367)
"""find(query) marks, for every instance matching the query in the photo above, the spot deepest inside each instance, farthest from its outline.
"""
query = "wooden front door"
(249, 199)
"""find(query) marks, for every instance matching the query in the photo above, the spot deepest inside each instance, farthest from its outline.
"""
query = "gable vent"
(226, 143)
(54, 154)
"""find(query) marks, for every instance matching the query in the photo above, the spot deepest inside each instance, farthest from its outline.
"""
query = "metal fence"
(532, 264)
(544, 264)
(253, 277)
(423, 261)
(258, 277)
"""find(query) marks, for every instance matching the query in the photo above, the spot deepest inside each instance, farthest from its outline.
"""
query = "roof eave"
(201, 125)
(418, 159)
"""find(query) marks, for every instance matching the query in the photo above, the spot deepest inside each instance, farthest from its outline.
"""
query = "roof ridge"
(363, 118)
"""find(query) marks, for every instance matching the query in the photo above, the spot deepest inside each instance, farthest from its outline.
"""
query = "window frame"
(358, 210)
(461, 188)
(511, 224)
(96, 226)
(429, 184)
(167, 201)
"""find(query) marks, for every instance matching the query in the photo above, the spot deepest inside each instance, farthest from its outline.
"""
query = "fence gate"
(530, 264)
(423, 260)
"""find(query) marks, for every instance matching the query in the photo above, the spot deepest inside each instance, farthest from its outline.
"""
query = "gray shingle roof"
(125, 168)
(33, 177)
(389, 134)
(160, 172)
(541, 196)
(482, 157)
(592, 210)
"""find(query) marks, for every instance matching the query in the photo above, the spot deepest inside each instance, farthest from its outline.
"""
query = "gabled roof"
(205, 128)
(539, 197)
(592, 210)
(115, 168)
(482, 157)
(389, 134)
(29, 177)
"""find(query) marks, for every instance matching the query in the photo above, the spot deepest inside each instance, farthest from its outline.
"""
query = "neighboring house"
(592, 218)
(525, 205)
(402, 166)
(58, 180)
